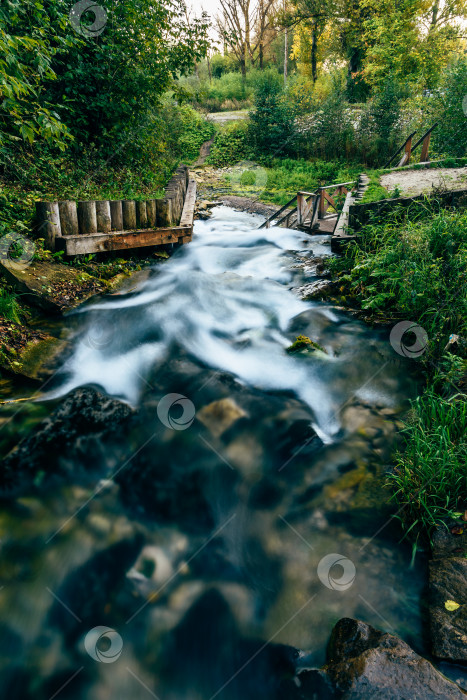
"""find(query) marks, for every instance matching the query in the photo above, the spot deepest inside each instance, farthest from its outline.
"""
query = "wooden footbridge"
(321, 212)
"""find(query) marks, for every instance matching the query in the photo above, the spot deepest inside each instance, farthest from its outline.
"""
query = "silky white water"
(225, 299)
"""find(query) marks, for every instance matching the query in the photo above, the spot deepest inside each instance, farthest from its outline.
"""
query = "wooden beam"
(278, 213)
(425, 147)
(124, 240)
(188, 212)
(399, 150)
(408, 152)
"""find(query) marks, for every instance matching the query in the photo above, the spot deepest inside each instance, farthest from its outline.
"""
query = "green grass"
(10, 309)
(279, 180)
(430, 474)
(375, 191)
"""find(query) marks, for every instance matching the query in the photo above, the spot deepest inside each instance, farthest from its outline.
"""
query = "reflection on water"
(198, 544)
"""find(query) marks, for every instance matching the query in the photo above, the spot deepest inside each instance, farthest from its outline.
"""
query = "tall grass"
(430, 475)
(10, 310)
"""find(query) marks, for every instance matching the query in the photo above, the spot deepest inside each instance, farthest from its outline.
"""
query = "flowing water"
(207, 521)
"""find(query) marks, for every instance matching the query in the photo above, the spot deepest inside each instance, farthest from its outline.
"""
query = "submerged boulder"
(71, 439)
(448, 594)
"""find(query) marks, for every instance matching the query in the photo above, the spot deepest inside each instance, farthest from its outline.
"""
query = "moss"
(304, 343)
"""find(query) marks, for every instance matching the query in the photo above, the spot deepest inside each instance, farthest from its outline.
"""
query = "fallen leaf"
(451, 605)
(457, 530)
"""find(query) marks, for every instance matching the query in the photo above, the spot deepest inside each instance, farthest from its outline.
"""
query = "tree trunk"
(434, 14)
(314, 56)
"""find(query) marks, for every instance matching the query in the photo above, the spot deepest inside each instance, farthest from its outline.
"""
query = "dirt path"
(413, 182)
(204, 153)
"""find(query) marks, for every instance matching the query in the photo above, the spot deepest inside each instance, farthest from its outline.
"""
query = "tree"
(99, 85)
(272, 121)
(312, 17)
(30, 39)
(247, 27)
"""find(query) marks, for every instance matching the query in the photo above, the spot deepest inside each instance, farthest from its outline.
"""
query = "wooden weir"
(79, 228)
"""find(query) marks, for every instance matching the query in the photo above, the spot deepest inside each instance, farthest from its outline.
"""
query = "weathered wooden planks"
(124, 240)
(189, 206)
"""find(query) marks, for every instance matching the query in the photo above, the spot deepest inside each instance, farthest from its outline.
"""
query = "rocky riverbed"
(201, 500)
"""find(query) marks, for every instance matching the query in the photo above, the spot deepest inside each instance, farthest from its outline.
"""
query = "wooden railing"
(310, 207)
(408, 148)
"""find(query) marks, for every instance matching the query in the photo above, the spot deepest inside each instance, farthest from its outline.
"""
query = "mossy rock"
(303, 343)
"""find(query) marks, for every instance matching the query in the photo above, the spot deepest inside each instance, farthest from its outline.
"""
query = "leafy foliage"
(104, 90)
(231, 145)
(272, 126)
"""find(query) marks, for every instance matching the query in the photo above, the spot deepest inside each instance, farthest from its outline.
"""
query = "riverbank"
(414, 270)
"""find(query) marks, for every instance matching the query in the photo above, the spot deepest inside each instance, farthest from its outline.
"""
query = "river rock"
(448, 581)
(365, 663)
(54, 287)
(72, 437)
(220, 415)
(315, 290)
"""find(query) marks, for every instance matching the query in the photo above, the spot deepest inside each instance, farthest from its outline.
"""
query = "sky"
(212, 7)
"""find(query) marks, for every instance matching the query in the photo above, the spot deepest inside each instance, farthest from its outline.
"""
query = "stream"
(240, 499)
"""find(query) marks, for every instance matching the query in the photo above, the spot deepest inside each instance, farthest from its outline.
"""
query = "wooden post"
(300, 204)
(48, 222)
(103, 216)
(425, 147)
(87, 218)
(129, 215)
(151, 211)
(68, 218)
(408, 152)
(141, 215)
(322, 203)
(164, 212)
(116, 216)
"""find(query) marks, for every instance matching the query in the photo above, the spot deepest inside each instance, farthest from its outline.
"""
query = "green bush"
(416, 269)
(329, 132)
(272, 127)
(193, 131)
(379, 129)
(231, 145)
(450, 136)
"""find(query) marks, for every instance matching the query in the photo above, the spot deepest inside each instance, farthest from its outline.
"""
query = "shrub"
(379, 131)
(231, 145)
(272, 127)
(450, 136)
(329, 133)
(194, 130)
